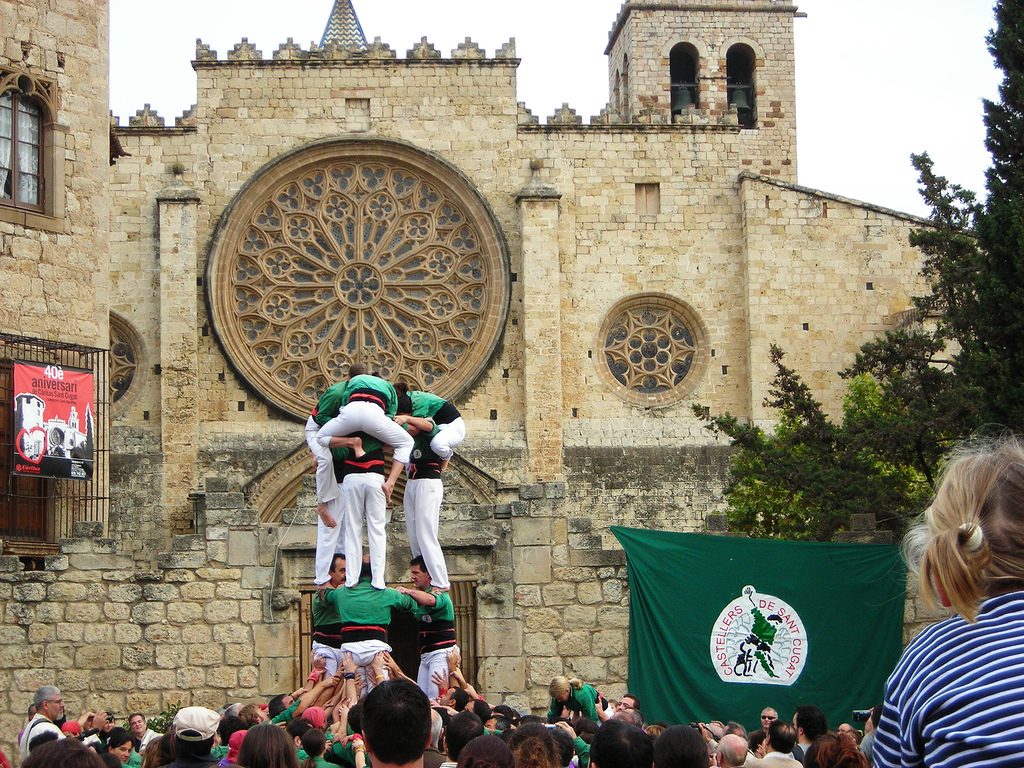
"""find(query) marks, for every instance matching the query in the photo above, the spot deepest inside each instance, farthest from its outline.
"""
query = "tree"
(994, 355)
(804, 479)
(922, 407)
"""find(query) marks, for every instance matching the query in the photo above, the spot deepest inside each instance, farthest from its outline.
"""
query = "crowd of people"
(332, 721)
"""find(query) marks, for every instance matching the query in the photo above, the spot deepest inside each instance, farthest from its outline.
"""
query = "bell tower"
(710, 62)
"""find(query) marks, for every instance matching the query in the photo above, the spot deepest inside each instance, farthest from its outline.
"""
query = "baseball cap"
(196, 723)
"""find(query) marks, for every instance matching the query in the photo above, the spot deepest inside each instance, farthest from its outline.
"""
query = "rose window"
(358, 251)
(125, 355)
(652, 349)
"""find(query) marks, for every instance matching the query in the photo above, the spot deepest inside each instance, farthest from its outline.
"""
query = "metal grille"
(463, 595)
(35, 513)
(305, 649)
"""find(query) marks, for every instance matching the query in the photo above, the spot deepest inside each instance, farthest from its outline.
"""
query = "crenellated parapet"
(526, 117)
(146, 118)
(565, 118)
(245, 51)
(289, 51)
(469, 50)
(333, 51)
(423, 50)
(379, 50)
(204, 52)
(565, 115)
(187, 118)
(148, 121)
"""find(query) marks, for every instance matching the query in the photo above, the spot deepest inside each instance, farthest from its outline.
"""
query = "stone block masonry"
(114, 636)
(56, 286)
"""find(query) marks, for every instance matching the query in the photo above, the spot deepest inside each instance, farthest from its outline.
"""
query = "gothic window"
(358, 251)
(683, 71)
(653, 349)
(616, 94)
(25, 109)
(739, 66)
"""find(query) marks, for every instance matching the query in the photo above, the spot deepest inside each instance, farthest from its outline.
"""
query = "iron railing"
(35, 513)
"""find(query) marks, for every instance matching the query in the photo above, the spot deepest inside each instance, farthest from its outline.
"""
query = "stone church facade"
(574, 287)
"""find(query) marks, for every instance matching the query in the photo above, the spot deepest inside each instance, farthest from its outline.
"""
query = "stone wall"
(201, 627)
(53, 263)
(823, 276)
(215, 620)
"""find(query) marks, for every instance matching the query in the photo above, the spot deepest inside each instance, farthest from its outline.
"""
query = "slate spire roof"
(343, 27)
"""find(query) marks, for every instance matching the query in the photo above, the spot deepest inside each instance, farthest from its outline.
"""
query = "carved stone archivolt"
(654, 349)
(357, 251)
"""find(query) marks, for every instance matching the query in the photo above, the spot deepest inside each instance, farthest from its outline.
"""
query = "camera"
(861, 715)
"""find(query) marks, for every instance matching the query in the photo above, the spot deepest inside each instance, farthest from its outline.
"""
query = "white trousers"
(326, 484)
(366, 417)
(422, 512)
(330, 541)
(331, 655)
(448, 437)
(431, 662)
(363, 495)
(363, 652)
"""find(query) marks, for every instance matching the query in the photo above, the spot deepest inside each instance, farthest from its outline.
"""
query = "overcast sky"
(876, 79)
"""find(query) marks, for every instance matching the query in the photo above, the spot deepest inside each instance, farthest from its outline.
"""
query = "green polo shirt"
(376, 385)
(424, 404)
(442, 610)
(362, 604)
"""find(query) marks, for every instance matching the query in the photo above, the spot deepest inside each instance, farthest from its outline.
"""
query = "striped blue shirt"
(956, 697)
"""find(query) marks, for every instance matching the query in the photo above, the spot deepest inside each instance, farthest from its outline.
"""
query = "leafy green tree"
(805, 478)
(922, 407)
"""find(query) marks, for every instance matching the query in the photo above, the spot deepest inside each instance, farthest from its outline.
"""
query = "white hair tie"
(975, 539)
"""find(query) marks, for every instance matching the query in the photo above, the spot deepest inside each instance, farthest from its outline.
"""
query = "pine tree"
(994, 357)
(804, 479)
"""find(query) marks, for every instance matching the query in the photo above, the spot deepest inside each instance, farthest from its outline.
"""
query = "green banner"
(721, 627)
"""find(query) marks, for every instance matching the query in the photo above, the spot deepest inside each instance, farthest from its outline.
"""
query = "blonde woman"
(570, 698)
(955, 697)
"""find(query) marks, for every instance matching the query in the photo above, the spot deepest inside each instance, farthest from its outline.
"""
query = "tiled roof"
(343, 27)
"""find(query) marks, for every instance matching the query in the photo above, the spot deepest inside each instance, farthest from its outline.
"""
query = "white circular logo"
(758, 639)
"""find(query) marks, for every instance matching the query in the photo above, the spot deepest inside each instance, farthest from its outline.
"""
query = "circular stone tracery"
(357, 251)
(654, 349)
(126, 372)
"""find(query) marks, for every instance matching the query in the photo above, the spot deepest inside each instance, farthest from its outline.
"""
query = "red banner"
(53, 421)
